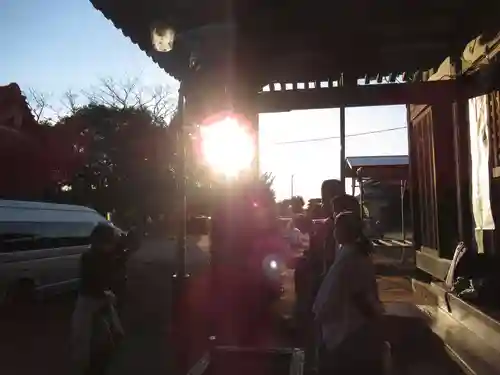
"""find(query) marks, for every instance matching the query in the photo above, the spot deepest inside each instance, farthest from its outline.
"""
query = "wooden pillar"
(445, 179)
(461, 142)
(403, 225)
(342, 137)
(180, 278)
(359, 172)
(412, 180)
(243, 100)
(348, 80)
(181, 187)
(254, 118)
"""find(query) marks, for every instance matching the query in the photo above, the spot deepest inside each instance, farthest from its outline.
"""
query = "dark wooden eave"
(309, 40)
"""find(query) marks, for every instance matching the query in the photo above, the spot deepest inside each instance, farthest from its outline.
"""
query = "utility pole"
(292, 177)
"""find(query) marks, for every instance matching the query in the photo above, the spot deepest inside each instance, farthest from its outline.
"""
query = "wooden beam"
(412, 180)
(358, 96)
(417, 93)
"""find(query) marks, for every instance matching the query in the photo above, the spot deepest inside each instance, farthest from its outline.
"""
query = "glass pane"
(65, 234)
(31, 236)
(17, 236)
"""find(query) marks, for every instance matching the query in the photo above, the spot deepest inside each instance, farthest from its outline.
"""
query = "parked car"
(40, 247)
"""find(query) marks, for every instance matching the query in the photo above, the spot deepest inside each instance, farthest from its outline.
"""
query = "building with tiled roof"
(30, 157)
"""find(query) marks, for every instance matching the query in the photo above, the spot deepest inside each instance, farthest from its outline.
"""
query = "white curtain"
(479, 147)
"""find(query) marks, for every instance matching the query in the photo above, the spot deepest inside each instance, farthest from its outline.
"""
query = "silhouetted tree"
(114, 147)
(128, 161)
(267, 180)
(110, 147)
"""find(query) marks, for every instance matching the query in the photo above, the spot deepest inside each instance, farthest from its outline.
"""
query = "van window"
(23, 236)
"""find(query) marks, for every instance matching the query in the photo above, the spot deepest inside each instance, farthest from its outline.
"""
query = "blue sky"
(56, 45)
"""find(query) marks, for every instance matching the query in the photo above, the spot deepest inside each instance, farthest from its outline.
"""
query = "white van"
(40, 246)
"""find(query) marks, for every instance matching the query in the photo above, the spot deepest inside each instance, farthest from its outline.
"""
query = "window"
(23, 236)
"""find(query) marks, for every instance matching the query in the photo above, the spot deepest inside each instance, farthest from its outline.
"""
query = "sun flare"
(227, 146)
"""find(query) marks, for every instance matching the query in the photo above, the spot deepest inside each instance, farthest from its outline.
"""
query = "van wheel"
(21, 294)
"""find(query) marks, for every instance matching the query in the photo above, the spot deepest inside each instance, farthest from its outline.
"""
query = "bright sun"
(227, 146)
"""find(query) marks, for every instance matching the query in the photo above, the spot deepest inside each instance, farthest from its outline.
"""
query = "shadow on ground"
(416, 349)
(38, 342)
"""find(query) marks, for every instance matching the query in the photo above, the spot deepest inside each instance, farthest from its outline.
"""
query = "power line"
(338, 137)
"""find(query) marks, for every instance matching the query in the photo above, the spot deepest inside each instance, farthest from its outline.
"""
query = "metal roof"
(267, 41)
(381, 168)
(27, 211)
(375, 161)
(35, 205)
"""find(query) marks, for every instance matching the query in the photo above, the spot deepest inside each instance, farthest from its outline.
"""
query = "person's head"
(345, 202)
(348, 228)
(104, 238)
(329, 190)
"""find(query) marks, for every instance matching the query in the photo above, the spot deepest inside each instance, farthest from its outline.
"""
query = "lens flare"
(227, 146)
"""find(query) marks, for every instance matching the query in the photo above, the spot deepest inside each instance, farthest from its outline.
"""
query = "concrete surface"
(37, 343)
(415, 348)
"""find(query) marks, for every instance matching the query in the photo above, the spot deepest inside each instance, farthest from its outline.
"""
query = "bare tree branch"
(160, 101)
(38, 103)
(69, 102)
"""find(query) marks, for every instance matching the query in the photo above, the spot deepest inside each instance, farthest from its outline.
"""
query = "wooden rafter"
(369, 95)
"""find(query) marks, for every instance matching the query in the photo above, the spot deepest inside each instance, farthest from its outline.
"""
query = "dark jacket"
(96, 272)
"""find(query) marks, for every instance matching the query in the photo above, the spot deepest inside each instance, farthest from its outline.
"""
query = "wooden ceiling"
(305, 40)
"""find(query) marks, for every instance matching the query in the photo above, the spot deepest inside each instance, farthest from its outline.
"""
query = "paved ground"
(415, 348)
(38, 343)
